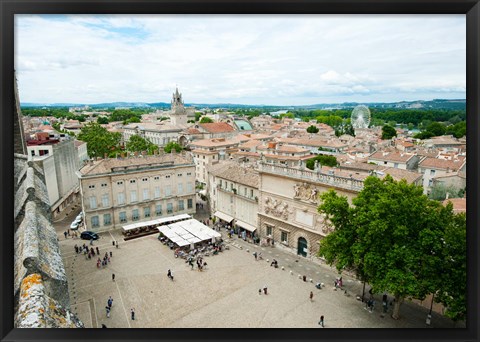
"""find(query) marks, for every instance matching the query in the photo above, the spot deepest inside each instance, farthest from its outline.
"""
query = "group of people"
(88, 252)
(67, 234)
(104, 262)
(265, 290)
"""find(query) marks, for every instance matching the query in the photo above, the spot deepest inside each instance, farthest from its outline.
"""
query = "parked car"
(88, 235)
(74, 225)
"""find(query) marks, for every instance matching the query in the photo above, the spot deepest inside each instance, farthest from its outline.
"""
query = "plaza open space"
(225, 294)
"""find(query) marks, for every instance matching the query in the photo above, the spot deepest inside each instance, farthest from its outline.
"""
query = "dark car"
(87, 235)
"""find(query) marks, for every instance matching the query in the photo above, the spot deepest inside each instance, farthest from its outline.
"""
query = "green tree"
(206, 119)
(102, 120)
(391, 236)
(172, 145)
(323, 160)
(436, 128)
(388, 132)
(197, 116)
(100, 141)
(312, 129)
(452, 292)
(439, 191)
(138, 144)
(410, 126)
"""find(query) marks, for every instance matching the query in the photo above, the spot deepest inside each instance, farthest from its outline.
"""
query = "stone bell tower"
(178, 114)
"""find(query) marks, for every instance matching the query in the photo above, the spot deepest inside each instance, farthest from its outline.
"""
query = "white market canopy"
(187, 232)
(155, 222)
(245, 225)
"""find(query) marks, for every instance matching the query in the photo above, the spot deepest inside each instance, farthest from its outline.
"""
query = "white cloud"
(241, 59)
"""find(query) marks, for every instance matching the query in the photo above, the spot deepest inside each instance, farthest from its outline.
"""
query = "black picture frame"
(471, 8)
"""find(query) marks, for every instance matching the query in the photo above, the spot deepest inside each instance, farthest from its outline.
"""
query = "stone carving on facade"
(276, 208)
(306, 192)
(325, 224)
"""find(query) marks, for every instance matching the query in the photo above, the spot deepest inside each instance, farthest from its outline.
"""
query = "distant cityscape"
(252, 172)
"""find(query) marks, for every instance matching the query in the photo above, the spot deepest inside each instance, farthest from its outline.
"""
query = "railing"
(349, 183)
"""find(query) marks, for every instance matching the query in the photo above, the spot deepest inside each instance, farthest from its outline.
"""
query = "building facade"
(117, 192)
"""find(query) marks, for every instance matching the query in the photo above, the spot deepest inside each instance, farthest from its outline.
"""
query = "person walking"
(91, 242)
(65, 233)
(98, 251)
(322, 321)
(113, 276)
(259, 291)
(107, 309)
(255, 255)
(169, 274)
(265, 289)
(111, 254)
(110, 302)
(76, 249)
(113, 243)
(132, 310)
(311, 296)
(116, 244)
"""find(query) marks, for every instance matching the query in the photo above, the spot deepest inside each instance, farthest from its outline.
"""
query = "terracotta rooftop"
(217, 127)
(398, 174)
(391, 156)
(216, 142)
(442, 164)
(104, 166)
(459, 204)
(235, 172)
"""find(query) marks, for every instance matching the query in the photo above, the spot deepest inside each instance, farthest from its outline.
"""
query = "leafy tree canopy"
(100, 141)
(312, 129)
(388, 132)
(323, 160)
(392, 237)
(206, 119)
(172, 145)
(138, 144)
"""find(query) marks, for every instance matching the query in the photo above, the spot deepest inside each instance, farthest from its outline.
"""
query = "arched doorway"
(302, 246)
(183, 141)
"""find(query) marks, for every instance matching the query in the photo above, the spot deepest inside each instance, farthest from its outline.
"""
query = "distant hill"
(457, 104)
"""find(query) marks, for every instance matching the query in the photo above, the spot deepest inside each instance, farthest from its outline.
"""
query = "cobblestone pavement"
(224, 295)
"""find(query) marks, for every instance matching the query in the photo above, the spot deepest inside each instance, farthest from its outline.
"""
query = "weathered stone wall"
(40, 283)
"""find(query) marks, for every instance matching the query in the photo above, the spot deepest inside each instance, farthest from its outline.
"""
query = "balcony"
(348, 183)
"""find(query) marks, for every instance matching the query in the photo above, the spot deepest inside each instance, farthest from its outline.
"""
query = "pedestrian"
(311, 296)
(107, 309)
(76, 249)
(385, 303)
(110, 302)
(132, 310)
(111, 254)
(113, 243)
(92, 251)
(265, 289)
(98, 251)
(68, 232)
(91, 242)
(65, 233)
(113, 276)
(116, 244)
(255, 255)
(322, 321)
(259, 291)
(169, 274)
(104, 326)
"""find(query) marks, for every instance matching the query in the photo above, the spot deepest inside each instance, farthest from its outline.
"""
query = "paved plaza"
(223, 295)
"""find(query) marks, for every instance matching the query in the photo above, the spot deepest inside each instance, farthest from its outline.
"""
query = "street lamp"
(429, 316)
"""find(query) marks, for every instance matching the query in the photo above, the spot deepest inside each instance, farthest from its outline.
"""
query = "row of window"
(105, 198)
(135, 214)
(283, 235)
(245, 189)
(133, 181)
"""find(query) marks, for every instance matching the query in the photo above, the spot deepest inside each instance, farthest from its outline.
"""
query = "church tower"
(178, 114)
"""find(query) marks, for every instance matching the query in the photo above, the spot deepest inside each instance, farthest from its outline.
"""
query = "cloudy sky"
(255, 59)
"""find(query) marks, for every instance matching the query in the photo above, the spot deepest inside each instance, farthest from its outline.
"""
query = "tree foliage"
(100, 141)
(323, 160)
(172, 145)
(388, 132)
(138, 144)
(392, 237)
(439, 191)
(312, 129)
(206, 119)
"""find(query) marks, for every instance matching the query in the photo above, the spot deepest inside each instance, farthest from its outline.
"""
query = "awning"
(223, 216)
(247, 226)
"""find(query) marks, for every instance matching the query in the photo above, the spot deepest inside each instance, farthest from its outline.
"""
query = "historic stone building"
(116, 192)
(288, 202)
(233, 192)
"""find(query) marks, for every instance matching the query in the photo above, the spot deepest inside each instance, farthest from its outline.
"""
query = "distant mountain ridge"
(431, 104)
